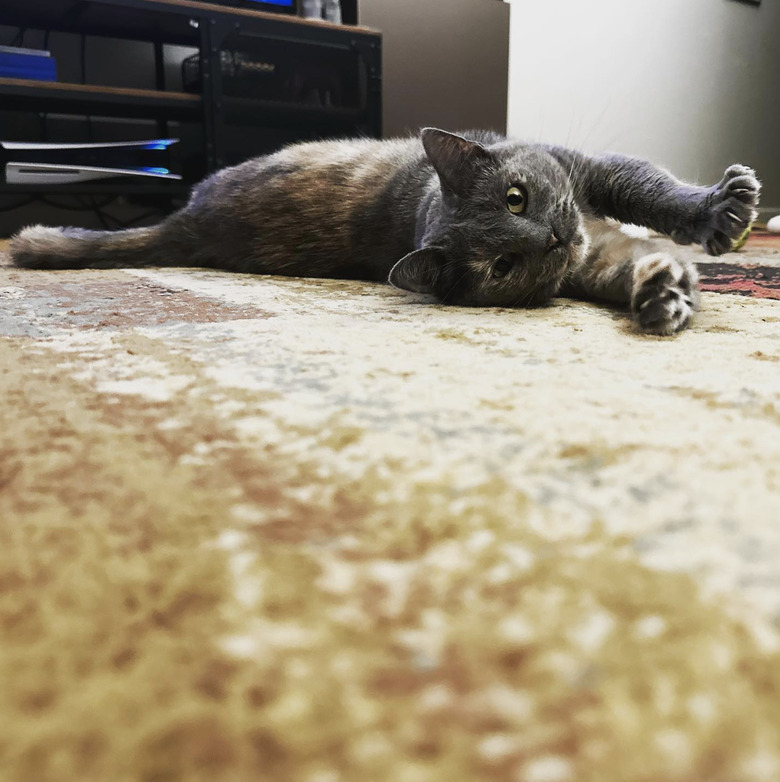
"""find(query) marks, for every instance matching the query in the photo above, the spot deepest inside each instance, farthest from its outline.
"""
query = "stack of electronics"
(36, 163)
(294, 72)
(18, 63)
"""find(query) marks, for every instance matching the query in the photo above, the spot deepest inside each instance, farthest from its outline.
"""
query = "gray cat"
(474, 219)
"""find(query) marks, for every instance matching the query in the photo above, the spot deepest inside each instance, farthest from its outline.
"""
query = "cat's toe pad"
(664, 294)
(731, 208)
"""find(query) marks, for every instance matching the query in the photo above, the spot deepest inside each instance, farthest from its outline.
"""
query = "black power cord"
(18, 39)
(18, 204)
(86, 203)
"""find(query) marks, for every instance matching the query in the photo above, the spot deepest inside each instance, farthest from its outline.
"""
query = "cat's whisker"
(595, 126)
(454, 286)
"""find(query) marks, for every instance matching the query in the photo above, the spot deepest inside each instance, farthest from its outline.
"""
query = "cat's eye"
(502, 267)
(516, 199)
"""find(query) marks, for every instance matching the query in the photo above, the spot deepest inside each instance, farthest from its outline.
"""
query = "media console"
(254, 76)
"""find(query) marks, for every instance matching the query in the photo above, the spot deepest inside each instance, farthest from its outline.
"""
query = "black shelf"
(209, 28)
(153, 20)
(138, 22)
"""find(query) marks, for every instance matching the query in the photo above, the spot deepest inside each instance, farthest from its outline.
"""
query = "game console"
(43, 163)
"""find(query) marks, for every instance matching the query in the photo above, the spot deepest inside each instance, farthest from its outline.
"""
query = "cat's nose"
(553, 242)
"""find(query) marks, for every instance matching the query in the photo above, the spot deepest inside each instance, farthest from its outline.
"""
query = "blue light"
(163, 143)
(274, 2)
(154, 170)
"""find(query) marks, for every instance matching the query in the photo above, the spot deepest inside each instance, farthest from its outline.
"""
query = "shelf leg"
(212, 35)
(163, 130)
(371, 54)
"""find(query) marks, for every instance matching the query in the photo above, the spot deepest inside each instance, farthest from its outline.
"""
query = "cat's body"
(474, 219)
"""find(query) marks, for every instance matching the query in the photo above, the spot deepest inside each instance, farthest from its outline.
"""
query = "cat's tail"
(39, 247)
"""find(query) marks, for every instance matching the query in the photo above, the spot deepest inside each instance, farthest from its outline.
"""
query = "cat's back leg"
(658, 284)
(232, 216)
(664, 293)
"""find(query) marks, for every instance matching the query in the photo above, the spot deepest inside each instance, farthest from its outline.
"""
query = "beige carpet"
(274, 529)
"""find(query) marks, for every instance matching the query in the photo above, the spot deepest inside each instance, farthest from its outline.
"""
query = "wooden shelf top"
(95, 99)
(81, 90)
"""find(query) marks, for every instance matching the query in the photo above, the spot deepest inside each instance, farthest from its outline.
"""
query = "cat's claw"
(730, 208)
(664, 295)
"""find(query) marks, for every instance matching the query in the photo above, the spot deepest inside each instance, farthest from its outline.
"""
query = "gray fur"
(430, 215)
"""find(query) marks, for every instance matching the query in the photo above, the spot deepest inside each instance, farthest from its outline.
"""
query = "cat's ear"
(418, 271)
(455, 158)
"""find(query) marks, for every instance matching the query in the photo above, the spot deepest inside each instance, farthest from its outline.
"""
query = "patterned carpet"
(756, 272)
(317, 531)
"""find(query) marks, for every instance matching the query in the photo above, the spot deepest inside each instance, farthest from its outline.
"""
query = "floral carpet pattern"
(255, 528)
(756, 271)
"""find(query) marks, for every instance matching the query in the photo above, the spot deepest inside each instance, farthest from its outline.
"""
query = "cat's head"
(507, 230)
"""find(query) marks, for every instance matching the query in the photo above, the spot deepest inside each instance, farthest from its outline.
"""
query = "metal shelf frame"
(206, 27)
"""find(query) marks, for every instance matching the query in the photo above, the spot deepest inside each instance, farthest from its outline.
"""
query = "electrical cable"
(87, 203)
(83, 204)
(158, 213)
(111, 223)
(81, 207)
(102, 218)
(18, 204)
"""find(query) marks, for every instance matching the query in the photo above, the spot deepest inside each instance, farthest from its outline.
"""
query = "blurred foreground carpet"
(273, 529)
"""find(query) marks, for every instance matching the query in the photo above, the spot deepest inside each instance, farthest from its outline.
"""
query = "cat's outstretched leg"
(661, 289)
(632, 190)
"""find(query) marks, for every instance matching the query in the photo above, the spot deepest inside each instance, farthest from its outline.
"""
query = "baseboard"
(765, 212)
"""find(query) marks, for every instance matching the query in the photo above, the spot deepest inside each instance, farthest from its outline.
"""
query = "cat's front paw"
(664, 294)
(731, 207)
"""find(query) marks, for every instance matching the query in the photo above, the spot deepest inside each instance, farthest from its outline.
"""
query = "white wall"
(444, 62)
(689, 84)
